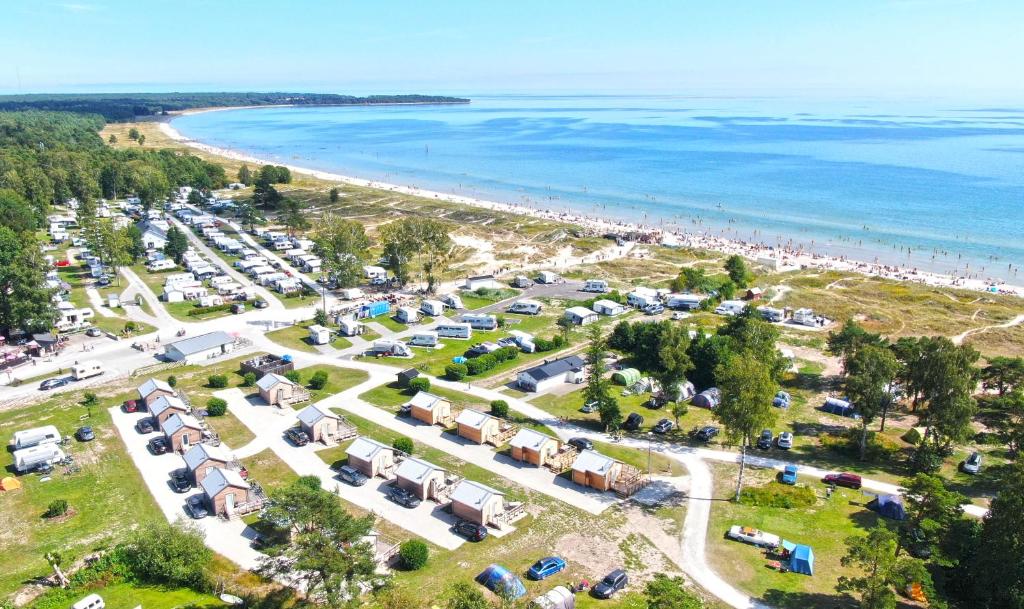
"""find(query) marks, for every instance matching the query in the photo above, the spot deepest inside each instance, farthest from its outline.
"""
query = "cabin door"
(229, 503)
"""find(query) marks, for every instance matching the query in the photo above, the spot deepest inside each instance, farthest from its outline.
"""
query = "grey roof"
(555, 368)
(203, 342)
(154, 385)
(178, 421)
(313, 413)
(267, 381)
(201, 453)
(473, 494)
(592, 461)
(416, 470)
(530, 439)
(366, 448)
(166, 402)
(473, 418)
(219, 479)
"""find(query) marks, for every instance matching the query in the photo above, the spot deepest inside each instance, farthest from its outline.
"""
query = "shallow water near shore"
(868, 180)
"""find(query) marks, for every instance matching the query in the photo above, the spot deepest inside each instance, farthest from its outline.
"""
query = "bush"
(456, 372)
(172, 381)
(217, 381)
(90, 399)
(403, 444)
(130, 326)
(320, 317)
(216, 407)
(318, 380)
(293, 376)
(57, 507)
(414, 554)
(778, 496)
(419, 384)
(499, 408)
(248, 379)
(197, 311)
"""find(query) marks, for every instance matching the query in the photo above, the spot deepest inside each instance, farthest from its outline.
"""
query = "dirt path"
(959, 338)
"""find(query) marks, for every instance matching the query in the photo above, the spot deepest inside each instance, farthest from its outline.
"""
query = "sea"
(937, 186)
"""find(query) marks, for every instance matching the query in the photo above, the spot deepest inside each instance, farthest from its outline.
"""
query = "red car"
(844, 479)
(131, 406)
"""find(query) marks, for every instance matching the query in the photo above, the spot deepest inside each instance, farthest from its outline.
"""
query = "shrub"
(318, 380)
(320, 317)
(217, 381)
(172, 381)
(57, 507)
(456, 372)
(778, 496)
(419, 384)
(476, 366)
(293, 376)
(248, 379)
(216, 407)
(499, 408)
(90, 399)
(403, 444)
(414, 554)
(197, 311)
(130, 326)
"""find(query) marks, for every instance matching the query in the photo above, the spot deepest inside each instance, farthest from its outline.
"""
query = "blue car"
(789, 474)
(546, 567)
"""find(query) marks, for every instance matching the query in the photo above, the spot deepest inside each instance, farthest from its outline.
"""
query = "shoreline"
(788, 259)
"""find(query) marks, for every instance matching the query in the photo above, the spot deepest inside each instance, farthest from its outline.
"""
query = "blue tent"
(888, 506)
(801, 557)
(502, 582)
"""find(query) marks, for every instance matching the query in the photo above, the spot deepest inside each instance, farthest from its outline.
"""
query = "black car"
(706, 433)
(52, 384)
(196, 507)
(581, 444)
(349, 474)
(402, 497)
(664, 426)
(765, 441)
(470, 530)
(159, 445)
(297, 436)
(180, 481)
(85, 434)
(612, 583)
(633, 422)
(145, 426)
(238, 308)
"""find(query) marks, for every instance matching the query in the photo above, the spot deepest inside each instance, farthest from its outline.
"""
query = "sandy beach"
(784, 258)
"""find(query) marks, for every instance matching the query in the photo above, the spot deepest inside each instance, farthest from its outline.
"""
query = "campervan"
(526, 307)
(27, 438)
(480, 321)
(686, 302)
(393, 348)
(454, 330)
(771, 314)
(547, 277)
(86, 370)
(730, 307)
(595, 285)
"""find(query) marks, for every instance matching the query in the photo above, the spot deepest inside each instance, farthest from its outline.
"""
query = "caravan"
(86, 370)
(526, 307)
(480, 321)
(424, 339)
(432, 307)
(452, 300)
(599, 286)
(454, 330)
(730, 307)
(28, 459)
(28, 438)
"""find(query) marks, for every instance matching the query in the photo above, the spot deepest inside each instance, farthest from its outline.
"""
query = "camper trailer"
(771, 314)
(432, 307)
(685, 302)
(28, 459)
(805, 317)
(526, 307)
(28, 438)
(86, 370)
(351, 294)
(548, 277)
(480, 322)
(407, 315)
(424, 339)
(349, 327)
(394, 348)
(319, 335)
(454, 330)
(452, 300)
(599, 286)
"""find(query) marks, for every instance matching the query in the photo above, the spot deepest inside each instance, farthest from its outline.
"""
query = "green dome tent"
(627, 376)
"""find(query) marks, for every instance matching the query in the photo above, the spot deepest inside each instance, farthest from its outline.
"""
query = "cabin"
(275, 389)
(201, 458)
(608, 307)
(200, 348)
(166, 406)
(580, 316)
(478, 427)
(430, 409)
(319, 335)
(425, 480)
(371, 457)
(407, 375)
(478, 282)
(594, 470)
(182, 431)
(225, 490)
(547, 375)
(477, 503)
(323, 425)
(533, 447)
(753, 294)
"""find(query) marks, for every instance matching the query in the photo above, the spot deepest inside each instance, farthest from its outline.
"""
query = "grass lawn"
(298, 300)
(338, 380)
(232, 432)
(180, 310)
(293, 337)
(392, 396)
(269, 470)
(115, 325)
(391, 323)
(127, 596)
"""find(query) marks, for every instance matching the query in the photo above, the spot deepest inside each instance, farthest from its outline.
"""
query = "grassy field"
(129, 596)
(269, 470)
(232, 432)
(338, 380)
(294, 337)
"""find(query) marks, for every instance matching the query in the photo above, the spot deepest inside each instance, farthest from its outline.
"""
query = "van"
(454, 330)
(93, 601)
(86, 370)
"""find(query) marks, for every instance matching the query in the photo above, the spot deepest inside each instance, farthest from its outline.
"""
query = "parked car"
(238, 308)
(654, 309)
(145, 426)
(402, 497)
(589, 407)
(196, 507)
(132, 406)
(94, 332)
(706, 433)
(753, 536)
(765, 441)
(351, 475)
(259, 303)
(785, 440)
(844, 479)
(633, 422)
(85, 434)
(581, 444)
(159, 445)
(53, 383)
(664, 426)
(546, 567)
(180, 481)
(789, 474)
(470, 530)
(972, 464)
(612, 583)
(296, 436)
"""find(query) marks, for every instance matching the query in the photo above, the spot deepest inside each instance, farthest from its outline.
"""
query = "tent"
(801, 557)
(888, 506)
(9, 484)
(626, 377)
(558, 597)
(502, 582)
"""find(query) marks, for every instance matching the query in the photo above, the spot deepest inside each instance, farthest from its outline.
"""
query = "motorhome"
(548, 277)
(526, 307)
(480, 321)
(730, 307)
(771, 314)
(407, 315)
(28, 438)
(599, 286)
(349, 327)
(86, 370)
(455, 330)
(394, 348)
(805, 317)
(685, 302)
(424, 339)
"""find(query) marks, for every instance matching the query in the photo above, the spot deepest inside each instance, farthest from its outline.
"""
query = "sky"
(865, 48)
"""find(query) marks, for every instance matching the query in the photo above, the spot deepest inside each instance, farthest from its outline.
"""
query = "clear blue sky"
(831, 47)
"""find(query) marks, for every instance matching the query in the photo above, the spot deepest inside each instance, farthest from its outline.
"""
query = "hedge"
(204, 310)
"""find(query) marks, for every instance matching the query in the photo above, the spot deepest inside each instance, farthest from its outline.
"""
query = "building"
(319, 335)
(200, 348)
(265, 364)
(609, 307)
(275, 389)
(322, 425)
(478, 282)
(425, 480)
(407, 375)
(182, 431)
(154, 388)
(200, 459)
(595, 470)
(154, 234)
(430, 409)
(371, 457)
(477, 503)
(754, 294)
(166, 406)
(642, 297)
(563, 370)
(533, 447)
(580, 316)
(478, 427)
(225, 490)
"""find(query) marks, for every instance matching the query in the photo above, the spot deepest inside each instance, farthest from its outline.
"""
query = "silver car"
(785, 440)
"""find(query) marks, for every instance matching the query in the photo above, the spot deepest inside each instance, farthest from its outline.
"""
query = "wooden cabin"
(225, 490)
(275, 389)
(183, 431)
(431, 409)
(200, 459)
(323, 425)
(165, 406)
(533, 447)
(425, 480)
(371, 457)
(595, 470)
(477, 503)
(478, 427)
(153, 389)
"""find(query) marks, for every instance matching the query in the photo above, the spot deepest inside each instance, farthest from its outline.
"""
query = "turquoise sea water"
(936, 186)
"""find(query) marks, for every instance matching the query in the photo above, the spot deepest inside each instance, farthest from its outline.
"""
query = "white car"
(785, 440)
(753, 536)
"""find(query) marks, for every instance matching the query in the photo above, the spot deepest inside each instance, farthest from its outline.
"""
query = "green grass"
(294, 337)
(129, 596)
(115, 325)
(338, 380)
(391, 323)
(433, 361)
(269, 470)
(299, 300)
(232, 432)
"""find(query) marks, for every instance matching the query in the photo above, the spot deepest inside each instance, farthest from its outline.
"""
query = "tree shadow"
(808, 600)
